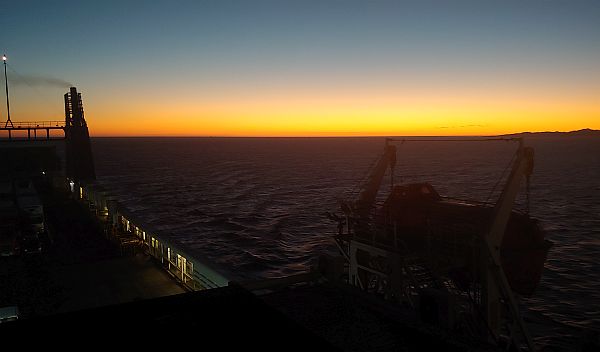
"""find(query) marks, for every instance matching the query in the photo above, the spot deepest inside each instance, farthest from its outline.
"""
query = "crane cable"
(401, 144)
(510, 162)
(527, 183)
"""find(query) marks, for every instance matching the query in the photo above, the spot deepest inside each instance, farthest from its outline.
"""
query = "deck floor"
(78, 268)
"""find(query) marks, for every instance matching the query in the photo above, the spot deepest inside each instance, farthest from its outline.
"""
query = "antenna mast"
(8, 121)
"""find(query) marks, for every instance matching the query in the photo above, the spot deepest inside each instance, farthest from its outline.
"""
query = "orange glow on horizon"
(314, 120)
(347, 113)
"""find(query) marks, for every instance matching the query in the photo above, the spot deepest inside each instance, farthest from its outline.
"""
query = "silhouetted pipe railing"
(36, 124)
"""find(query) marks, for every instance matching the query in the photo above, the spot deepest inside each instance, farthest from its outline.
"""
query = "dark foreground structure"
(225, 317)
(313, 317)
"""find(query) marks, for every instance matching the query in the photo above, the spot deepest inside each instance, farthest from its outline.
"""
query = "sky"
(306, 68)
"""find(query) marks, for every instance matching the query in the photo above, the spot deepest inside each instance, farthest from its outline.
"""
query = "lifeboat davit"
(451, 231)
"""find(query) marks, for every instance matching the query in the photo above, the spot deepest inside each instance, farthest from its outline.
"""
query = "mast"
(8, 121)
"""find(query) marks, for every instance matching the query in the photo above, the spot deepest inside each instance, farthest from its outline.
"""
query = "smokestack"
(74, 108)
(80, 163)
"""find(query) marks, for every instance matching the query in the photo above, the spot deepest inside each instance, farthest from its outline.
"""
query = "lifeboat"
(450, 232)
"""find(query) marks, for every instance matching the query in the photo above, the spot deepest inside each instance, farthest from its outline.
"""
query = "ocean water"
(256, 205)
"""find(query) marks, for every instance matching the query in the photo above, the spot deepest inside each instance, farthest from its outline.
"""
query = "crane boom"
(522, 167)
(497, 283)
(370, 188)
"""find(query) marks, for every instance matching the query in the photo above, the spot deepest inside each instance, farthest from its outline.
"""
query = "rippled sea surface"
(256, 205)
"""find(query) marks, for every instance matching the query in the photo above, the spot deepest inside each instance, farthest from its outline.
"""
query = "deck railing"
(192, 272)
(34, 124)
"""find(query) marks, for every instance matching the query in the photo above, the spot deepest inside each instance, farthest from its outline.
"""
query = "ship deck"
(78, 269)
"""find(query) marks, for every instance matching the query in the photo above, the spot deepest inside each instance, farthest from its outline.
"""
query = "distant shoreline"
(577, 133)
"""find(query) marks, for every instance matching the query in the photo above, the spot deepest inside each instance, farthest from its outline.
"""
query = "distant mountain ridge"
(582, 132)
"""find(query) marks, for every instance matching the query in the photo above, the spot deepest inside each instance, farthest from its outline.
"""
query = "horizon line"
(339, 135)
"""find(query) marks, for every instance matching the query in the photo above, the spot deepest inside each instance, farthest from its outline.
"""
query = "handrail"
(37, 124)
